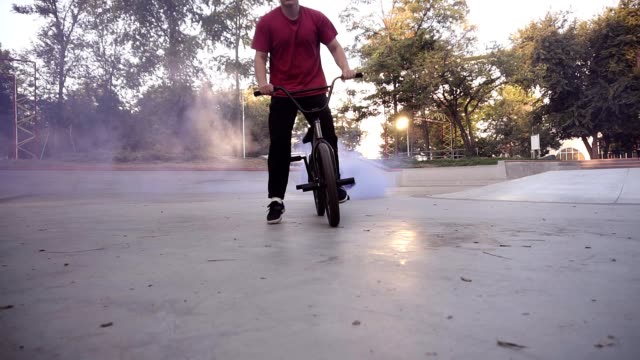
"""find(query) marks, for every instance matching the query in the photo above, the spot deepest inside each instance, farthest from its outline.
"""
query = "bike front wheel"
(327, 173)
(318, 194)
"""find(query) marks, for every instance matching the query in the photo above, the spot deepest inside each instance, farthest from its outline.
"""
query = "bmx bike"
(320, 164)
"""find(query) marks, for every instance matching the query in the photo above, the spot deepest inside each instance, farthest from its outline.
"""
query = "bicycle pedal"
(347, 181)
(307, 187)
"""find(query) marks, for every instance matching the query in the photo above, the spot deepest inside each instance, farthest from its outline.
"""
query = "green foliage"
(6, 108)
(59, 46)
(256, 123)
(587, 72)
(157, 120)
(162, 37)
(347, 121)
(122, 73)
(421, 56)
(508, 125)
(109, 62)
(96, 116)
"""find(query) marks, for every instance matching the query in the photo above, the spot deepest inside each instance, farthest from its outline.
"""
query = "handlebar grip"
(359, 75)
(257, 93)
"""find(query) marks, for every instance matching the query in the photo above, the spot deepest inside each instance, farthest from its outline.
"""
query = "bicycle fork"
(314, 180)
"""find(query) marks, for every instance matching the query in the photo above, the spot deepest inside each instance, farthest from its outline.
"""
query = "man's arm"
(341, 59)
(260, 65)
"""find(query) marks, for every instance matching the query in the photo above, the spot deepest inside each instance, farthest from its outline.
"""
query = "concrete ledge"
(480, 175)
(514, 169)
(505, 170)
(463, 175)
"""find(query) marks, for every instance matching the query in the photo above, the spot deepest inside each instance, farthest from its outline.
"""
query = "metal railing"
(438, 154)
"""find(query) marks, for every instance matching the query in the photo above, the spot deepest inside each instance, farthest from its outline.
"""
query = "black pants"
(282, 117)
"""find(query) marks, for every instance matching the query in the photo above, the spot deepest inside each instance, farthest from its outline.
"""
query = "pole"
(408, 146)
(15, 116)
(451, 136)
(244, 150)
(35, 100)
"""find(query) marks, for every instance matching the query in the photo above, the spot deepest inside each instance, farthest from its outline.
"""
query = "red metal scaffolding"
(25, 114)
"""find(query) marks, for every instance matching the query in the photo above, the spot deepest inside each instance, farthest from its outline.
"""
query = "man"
(290, 37)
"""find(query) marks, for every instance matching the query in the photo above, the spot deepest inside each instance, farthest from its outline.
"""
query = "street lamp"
(401, 123)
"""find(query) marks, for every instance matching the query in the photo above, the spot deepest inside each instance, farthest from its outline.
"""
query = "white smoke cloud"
(215, 134)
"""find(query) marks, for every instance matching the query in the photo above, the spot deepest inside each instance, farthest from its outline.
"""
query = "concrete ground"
(182, 265)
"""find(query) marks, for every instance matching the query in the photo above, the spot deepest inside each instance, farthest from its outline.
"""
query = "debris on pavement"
(106, 325)
(465, 279)
(610, 340)
(356, 323)
(217, 260)
(6, 307)
(510, 345)
(502, 257)
(72, 252)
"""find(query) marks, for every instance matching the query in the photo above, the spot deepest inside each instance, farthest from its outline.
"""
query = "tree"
(347, 120)
(507, 125)
(612, 100)
(230, 24)
(59, 45)
(422, 58)
(392, 48)
(586, 72)
(6, 102)
(461, 83)
(163, 38)
(109, 61)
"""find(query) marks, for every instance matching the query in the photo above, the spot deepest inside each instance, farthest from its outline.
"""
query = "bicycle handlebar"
(290, 93)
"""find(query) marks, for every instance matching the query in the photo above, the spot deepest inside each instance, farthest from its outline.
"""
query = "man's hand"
(266, 89)
(348, 74)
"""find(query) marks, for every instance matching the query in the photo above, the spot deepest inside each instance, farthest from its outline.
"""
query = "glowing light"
(402, 123)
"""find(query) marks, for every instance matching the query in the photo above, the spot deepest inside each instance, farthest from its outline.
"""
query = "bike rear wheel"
(327, 173)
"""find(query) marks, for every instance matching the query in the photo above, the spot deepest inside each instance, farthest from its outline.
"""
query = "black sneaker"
(342, 195)
(276, 209)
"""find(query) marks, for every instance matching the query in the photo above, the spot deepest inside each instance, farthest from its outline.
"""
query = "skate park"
(459, 263)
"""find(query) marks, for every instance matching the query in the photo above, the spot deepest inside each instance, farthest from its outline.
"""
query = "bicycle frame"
(317, 133)
(322, 174)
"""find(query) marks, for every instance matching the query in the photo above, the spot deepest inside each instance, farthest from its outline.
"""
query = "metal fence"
(433, 154)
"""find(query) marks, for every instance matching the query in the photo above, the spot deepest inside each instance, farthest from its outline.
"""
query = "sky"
(496, 20)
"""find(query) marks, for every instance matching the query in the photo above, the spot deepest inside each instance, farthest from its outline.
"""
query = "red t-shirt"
(294, 48)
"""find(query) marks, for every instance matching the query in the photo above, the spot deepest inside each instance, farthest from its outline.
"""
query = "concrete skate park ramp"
(601, 186)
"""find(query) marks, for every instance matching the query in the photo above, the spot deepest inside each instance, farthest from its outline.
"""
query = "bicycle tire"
(318, 196)
(329, 182)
